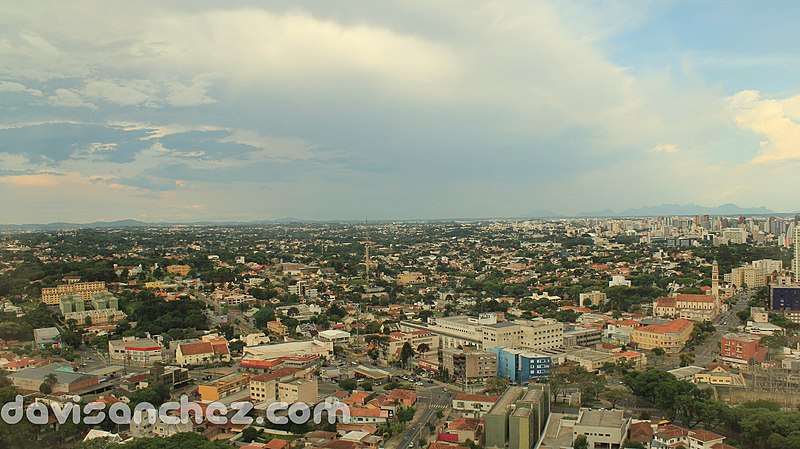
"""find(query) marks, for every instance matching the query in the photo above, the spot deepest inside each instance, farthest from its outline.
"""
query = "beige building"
(671, 336)
(593, 298)
(759, 315)
(179, 270)
(469, 364)
(603, 428)
(749, 277)
(688, 306)
(100, 317)
(300, 390)
(523, 334)
(51, 295)
(211, 349)
(485, 332)
(416, 339)
(407, 278)
(473, 405)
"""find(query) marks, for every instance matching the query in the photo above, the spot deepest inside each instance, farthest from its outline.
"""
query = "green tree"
(348, 384)
(581, 442)
(496, 384)
(613, 396)
(406, 352)
(50, 381)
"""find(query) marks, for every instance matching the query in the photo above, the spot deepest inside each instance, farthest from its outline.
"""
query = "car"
(419, 384)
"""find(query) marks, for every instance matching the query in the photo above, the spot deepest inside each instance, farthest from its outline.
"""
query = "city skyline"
(244, 111)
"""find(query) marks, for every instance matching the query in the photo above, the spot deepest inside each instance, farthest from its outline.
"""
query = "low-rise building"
(742, 349)
(222, 387)
(602, 428)
(179, 270)
(135, 351)
(424, 343)
(207, 351)
(47, 337)
(67, 380)
(473, 405)
(671, 336)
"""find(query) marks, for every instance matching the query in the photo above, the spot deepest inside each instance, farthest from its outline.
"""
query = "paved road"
(432, 400)
(706, 353)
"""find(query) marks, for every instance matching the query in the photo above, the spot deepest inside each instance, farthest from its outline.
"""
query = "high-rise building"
(796, 265)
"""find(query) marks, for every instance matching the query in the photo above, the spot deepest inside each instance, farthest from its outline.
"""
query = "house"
(210, 350)
(47, 337)
(641, 432)
(719, 375)
(464, 429)
(406, 398)
(473, 405)
(276, 443)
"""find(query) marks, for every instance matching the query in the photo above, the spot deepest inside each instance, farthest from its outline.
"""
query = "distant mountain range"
(666, 209)
(645, 211)
(681, 209)
(137, 223)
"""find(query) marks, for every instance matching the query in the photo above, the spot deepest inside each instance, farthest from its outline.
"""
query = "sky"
(217, 111)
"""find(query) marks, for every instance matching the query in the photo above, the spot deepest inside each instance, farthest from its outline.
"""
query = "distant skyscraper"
(796, 263)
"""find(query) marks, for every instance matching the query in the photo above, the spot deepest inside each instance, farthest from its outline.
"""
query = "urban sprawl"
(661, 332)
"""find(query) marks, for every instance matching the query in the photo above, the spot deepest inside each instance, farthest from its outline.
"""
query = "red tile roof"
(476, 397)
(201, 347)
(276, 443)
(672, 327)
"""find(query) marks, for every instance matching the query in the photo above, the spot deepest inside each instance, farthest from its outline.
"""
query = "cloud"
(667, 148)
(8, 86)
(776, 120)
(68, 98)
(123, 92)
(54, 143)
(148, 93)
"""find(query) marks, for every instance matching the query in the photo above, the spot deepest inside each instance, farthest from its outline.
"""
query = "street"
(430, 400)
(706, 353)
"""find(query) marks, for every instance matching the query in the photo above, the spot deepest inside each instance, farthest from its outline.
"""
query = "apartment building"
(671, 336)
(742, 349)
(528, 334)
(418, 340)
(593, 298)
(51, 295)
(299, 390)
(469, 365)
(749, 276)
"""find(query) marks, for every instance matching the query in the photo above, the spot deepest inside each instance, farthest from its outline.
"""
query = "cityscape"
(399, 225)
(633, 332)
